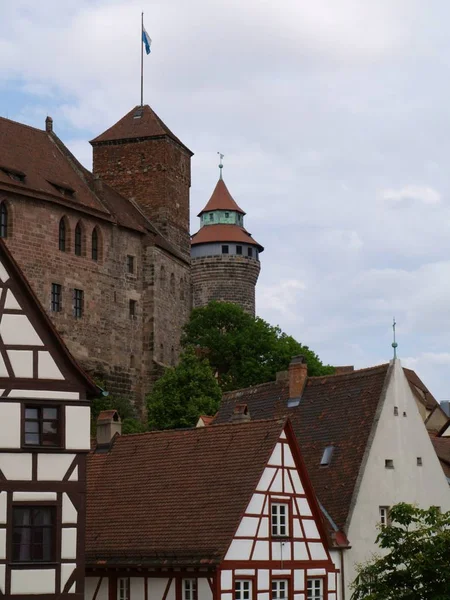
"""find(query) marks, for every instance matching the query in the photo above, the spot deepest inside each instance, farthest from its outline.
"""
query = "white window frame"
(280, 589)
(243, 589)
(384, 515)
(279, 511)
(123, 588)
(189, 589)
(314, 591)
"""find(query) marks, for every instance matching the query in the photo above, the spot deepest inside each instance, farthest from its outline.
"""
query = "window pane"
(50, 413)
(32, 439)
(21, 516)
(31, 426)
(42, 516)
(31, 413)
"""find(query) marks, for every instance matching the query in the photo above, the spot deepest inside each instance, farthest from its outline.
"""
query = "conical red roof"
(223, 233)
(140, 122)
(221, 199)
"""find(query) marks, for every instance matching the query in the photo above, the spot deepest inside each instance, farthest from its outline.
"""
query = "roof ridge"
(23, 125)
(354, 373)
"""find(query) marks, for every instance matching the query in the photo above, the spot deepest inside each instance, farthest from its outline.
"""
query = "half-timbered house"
(44, 439)
(224, 512)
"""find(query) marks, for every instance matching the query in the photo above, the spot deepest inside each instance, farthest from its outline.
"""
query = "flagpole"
(142, 59)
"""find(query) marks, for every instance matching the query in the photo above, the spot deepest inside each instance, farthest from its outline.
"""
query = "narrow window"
(227, 215)
(279, 519)
(161, 353)
(172, 356)
(396, 411)
(189, 589)
(78, 240)
(130, 263)
(419, 461)
(42, 426)
(327, 456)
(315, 589)
(225, 249)
(182, 284)
(78, 301)
(132, 309)
(238, 249)
(34, 534)
(132, 361)
(242, 589)
(389, 463)
(384, 516)
(3, 220)
(172, 283)
(211, 216)
(95, 245)
(162, 276)
(123, 588)
(62, 235)
(56, 297)
(250, 252)
(279, 589)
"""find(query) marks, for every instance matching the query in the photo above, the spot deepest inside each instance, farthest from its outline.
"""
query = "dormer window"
(13, 174)
(327, 456)
(64, 190)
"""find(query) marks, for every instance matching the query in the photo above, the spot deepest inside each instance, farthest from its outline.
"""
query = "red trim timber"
(271, 564)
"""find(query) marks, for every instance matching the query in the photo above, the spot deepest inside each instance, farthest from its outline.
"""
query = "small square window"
(130, 263)
(279, 519)
(419, 461)
(384, 516)
(78, 303)
(250, 252)
(389, 463)
(42, 426)
(225, 249)
(315, 589)
(238, 249)
(280, 589)
(56, 297)
(242, 589)
(132, 309)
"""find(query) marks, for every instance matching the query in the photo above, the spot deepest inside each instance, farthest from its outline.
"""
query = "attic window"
(396, 411)
(64, 190)
(13, 174)
(327, 456)
(138, 114)
(419, 461)
(389, 463)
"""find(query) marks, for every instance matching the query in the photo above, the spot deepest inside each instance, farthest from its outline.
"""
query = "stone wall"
(156, 174)
(225, 278)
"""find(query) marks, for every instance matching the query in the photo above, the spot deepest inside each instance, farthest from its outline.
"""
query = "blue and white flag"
(146, 39)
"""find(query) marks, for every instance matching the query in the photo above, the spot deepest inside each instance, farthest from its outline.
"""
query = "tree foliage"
(130, 421)
(242, 349)
(416, 565)
(183, 393)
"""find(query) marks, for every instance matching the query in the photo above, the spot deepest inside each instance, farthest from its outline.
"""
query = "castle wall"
(225, 278)
(156, 174)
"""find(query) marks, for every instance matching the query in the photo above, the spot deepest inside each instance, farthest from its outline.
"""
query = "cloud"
(424, 194)
(281, 298)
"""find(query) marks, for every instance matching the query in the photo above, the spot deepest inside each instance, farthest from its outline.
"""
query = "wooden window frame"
(239, 250)
(322, 578)
(60, 421)
(289, 516)
(384, 515)
(194, 595)
(250, 252)
(227, 251)
(251, 579)
(56, 297)
(127, 588)
(25, 564)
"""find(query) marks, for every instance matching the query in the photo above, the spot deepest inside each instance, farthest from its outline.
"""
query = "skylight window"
(293, 402)
(13, 174)
(327, 456)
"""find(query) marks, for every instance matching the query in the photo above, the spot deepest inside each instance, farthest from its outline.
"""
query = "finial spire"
(221, 165)
(394, 343)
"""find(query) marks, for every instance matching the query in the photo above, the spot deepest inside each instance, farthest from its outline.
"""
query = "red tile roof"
(174, 497)
(420, 389)
(223, 233)
(337, 410)
(221, 199)
(442, 448)
(131, 127)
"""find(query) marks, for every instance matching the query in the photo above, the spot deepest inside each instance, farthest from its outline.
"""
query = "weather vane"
(221, 165)
(394, 343)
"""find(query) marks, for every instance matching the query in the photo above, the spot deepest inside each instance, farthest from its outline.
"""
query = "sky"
(334, 121)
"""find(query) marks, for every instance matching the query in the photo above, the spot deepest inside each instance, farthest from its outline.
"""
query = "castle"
(108, 252)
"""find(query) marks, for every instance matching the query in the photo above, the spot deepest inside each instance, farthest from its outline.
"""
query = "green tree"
(183, 393)
(130, 421)
(416, 565)
(244, 350)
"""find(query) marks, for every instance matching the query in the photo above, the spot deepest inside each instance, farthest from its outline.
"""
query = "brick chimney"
(48, 124)
(108, 424)
(298, 373)
(241, 414)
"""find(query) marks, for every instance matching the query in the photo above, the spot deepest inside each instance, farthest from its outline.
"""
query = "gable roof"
(223, 233)
(21, 312)
(221, 199)
(336, 410)
(140, 123)
(420, 390)
(441, 446)
(174, 497)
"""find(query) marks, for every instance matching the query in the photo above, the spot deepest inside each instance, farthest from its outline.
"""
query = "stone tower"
(144, 161)
(224, 256)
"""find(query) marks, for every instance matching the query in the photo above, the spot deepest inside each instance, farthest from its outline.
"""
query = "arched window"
(3, 220)
(95, 244)
(172, 283)
(78, 240)
(62, 235)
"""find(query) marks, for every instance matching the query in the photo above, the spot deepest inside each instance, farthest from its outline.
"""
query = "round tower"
(224, 257)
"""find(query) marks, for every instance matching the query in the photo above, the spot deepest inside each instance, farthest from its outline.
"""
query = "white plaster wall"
(204, 591)
(10, 425)
(4, 276)
(47, 368)
(3, 499)
(69, 512)
(69, 543)
(11, 302)
(53, 467)
(21, 362)
(78, 427)
(137, 588)
(44, 394)
(33, 581)
(18, 331)
(401, 439)
(157, 586)
(91, 585)
(16, 466)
